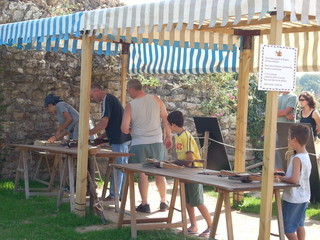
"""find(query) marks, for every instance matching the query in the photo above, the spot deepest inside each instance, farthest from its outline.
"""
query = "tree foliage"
(220, 97)
(309, 82)
(256, 115)
(148, 80)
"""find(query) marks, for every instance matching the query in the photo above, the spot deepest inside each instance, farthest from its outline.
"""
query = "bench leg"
(279, 214)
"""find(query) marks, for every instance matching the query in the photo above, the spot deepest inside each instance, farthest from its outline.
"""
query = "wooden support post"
(183, 207)
(279, 214)
(26, 173)
(125, 52)
(173, 200)
(217, 213)
(130, 175)
(71, 166)
(111, 160)
(82, 160)
(205, 149)
(242, 111)
(269, 144)
(227, 208)
(123, 200)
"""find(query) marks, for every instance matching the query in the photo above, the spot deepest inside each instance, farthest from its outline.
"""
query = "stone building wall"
(26, 77)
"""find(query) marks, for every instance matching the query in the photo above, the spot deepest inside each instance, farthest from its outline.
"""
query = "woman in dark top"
(309, 113)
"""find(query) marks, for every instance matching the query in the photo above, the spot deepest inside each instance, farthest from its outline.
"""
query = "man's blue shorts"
(294, 215)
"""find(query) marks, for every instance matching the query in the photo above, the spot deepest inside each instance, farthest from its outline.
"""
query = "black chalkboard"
(217, 158)
(282, 129)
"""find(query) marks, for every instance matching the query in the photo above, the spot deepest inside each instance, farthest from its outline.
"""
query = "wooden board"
(217, 158)
(283, 129)
(46, 143)
(194, 175)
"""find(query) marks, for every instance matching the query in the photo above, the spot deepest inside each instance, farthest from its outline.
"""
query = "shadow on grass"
(39, 219)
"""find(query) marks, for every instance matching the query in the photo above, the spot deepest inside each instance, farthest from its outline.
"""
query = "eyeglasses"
(302, 99)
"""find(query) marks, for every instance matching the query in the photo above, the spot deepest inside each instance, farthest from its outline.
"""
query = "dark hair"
(301, 132)
(308, 96)
(135, 84)
(176, 117)
(95, 86)
(51, 99)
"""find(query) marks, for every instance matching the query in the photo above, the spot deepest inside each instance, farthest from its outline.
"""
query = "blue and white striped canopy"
(155, 59)
(60, 33)
(63, 33)
(169, 23)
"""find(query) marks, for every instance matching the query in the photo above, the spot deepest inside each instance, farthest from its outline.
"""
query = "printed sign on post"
(277, 70)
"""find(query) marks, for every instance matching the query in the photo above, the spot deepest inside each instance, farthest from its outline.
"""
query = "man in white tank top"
(142, 119)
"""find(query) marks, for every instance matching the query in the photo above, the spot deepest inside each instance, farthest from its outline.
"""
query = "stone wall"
(21, 10)
(28, 76)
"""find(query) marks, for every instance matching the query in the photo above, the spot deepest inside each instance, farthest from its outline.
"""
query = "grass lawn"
(39, 219)
(252, 205)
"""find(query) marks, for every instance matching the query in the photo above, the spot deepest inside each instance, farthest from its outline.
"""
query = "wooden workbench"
(66, 156)
(223, 185)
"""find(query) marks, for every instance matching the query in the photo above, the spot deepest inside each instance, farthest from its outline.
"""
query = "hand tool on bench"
(209, 172)
(245, 177)
(187, 162)
(161, 164)
(74, 143)
(98, 141)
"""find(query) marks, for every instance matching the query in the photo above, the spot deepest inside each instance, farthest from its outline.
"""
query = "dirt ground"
(245, 226)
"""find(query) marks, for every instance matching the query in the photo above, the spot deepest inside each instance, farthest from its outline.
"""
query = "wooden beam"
(294, 29)
(242, 110)
(125, 54)
(82, 160)
(269, 144)
(247, 32)
(242, 23)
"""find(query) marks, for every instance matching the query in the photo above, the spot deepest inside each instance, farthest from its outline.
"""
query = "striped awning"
(62, 33)
(181, 20)
(164, 23)
(155, 59)
(202, 24)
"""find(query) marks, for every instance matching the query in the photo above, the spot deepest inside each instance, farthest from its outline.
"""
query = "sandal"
(205, 233)
(191, 232)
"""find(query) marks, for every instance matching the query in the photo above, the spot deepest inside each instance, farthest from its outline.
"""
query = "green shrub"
(256, 116)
